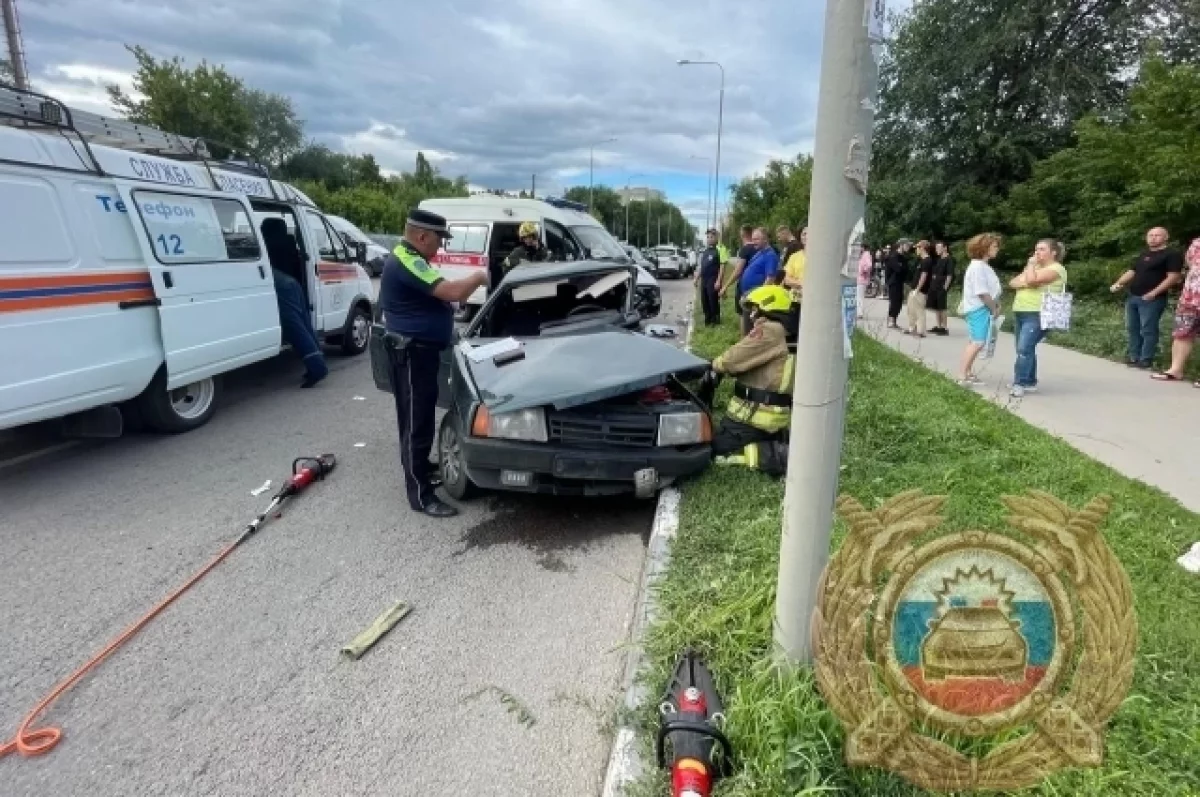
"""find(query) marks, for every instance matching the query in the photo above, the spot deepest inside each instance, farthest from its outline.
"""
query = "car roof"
(527, 273)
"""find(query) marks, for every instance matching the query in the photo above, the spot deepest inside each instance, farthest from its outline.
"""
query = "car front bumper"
(561, 470)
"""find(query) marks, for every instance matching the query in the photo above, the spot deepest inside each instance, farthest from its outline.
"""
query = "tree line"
(1073, 119)
(238, 121)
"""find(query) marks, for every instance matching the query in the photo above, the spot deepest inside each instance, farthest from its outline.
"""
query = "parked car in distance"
(352, 235)
(571, 399)
(671, 261)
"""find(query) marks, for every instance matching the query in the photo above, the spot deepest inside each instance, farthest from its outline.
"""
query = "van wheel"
(180, 410)
(357, 333)
(451, 465)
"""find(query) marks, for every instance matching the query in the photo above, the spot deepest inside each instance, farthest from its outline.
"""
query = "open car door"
(211, 276)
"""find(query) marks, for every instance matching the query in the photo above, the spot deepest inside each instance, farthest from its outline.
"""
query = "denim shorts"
(979, 323)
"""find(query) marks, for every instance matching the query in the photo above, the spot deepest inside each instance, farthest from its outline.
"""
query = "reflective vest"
(768, 410)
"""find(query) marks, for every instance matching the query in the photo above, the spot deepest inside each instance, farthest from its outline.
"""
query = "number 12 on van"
(171, 244)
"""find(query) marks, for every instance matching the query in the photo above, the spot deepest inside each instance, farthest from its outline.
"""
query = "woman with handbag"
(1042, 303)
(1187, 319)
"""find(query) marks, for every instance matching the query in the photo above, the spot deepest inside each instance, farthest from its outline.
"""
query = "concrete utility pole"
(16, 52)
(841, 155)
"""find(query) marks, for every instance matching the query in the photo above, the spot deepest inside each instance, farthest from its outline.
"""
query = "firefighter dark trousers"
(737, 443)
(415, 388)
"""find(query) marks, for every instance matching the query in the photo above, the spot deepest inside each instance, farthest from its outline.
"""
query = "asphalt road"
(503, 680)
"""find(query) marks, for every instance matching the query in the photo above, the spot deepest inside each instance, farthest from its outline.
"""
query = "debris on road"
(510, 702)
(257, 491)
(661, 331)
(360, 445)
(382, 624)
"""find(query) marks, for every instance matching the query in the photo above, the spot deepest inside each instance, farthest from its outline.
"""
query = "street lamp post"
(592, 168)
(720, 123)
(627, 201)
(709, 200)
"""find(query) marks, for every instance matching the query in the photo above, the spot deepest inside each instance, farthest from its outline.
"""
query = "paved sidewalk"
(1119, 416)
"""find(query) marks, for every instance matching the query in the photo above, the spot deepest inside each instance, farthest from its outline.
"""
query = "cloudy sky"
(492, 90)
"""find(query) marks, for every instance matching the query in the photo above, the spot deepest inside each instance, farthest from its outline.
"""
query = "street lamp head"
(683, 61)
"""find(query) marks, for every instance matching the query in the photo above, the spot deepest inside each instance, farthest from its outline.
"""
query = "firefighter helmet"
(768, 299)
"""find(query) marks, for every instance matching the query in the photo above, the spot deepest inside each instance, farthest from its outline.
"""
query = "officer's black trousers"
(710, 301)
(415, 387)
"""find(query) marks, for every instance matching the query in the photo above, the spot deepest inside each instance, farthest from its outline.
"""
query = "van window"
(561, 245)
(469, 238)
(196, 229)
(329, 246)
(32, 228)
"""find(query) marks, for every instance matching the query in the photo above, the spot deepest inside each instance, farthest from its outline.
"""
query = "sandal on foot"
(1164, 376)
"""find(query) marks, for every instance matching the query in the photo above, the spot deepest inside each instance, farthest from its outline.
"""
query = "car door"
(336, 271)
(560, 243)
(211, 277)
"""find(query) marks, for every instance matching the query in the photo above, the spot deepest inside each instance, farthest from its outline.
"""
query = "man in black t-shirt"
(1152, 275)
(744, 256)
(943, 278)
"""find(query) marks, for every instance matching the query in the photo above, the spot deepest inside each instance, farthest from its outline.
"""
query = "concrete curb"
(625, 763)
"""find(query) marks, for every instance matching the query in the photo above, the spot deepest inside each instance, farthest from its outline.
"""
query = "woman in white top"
(980, 302)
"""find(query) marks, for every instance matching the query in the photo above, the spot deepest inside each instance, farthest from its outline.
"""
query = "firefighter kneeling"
(754, 431)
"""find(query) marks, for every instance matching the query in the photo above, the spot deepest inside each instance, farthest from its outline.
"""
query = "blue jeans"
(296, 326)
(1142, 319)
(1028, 333)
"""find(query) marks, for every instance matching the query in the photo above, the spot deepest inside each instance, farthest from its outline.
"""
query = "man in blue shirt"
(416, 302)
(759, 271)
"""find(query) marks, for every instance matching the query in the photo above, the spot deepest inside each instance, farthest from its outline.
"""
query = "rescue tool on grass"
(688, 737)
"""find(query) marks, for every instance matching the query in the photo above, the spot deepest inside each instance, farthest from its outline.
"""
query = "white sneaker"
(1031, 389)
(1017, 392)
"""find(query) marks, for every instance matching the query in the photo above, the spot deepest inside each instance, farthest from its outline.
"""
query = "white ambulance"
(133, 271)
(485, 227)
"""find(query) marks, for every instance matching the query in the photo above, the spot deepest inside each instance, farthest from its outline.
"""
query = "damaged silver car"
(552, 388)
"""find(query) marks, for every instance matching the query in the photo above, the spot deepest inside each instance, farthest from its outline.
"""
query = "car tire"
(357, 332)
(455, 481)
(180, 410)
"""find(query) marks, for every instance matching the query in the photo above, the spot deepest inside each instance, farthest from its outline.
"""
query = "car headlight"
(684, 429)
(527, 424)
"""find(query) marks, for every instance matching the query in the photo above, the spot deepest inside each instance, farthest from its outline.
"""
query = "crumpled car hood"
(572, 370)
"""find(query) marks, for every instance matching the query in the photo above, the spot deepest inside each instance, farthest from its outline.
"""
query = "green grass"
(909, 428)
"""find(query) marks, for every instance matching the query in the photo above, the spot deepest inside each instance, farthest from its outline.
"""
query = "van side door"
(336, 271)
(211, 277)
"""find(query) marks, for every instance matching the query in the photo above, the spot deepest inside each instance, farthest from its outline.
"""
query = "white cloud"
(496, 92)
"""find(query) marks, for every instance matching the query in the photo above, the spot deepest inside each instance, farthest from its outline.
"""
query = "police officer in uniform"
(530, 250)
(709, 277)
(754, 431)
(417, 309)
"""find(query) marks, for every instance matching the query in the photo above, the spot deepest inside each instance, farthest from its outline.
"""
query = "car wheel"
(451, 463)
(357, 333)
(180, 410)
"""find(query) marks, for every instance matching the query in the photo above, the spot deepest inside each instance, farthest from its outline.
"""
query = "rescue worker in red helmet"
(754, 431)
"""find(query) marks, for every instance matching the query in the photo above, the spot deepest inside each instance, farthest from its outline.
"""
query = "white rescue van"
(485, 227)
(133, 269)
